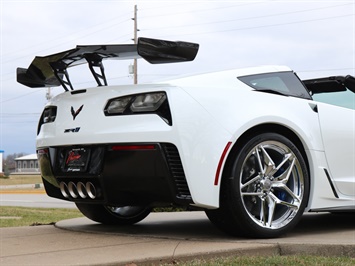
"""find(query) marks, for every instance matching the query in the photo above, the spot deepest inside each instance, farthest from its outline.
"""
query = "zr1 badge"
(73, 130)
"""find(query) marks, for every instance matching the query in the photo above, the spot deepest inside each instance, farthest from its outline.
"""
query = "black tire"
(264, 190)
(114, 215)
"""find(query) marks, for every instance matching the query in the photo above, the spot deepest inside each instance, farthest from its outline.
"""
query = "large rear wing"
(51, 70)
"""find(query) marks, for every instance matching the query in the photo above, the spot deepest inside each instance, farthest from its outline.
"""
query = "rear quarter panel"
(230, 110)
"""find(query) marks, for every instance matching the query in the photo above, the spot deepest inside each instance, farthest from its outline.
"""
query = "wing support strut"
(95, 61)
(61, 73)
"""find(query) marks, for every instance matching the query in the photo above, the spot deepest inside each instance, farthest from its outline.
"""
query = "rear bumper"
(117, 175)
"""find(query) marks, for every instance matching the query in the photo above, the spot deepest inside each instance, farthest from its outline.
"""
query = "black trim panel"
(331, 183)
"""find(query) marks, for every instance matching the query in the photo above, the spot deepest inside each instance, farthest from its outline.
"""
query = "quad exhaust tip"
(78, 190)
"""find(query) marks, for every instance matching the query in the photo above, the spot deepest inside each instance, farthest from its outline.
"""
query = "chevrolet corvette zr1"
(254, 148)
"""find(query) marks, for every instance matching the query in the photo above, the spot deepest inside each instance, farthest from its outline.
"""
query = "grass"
(276, 260)
(21, 180)
(22, 216)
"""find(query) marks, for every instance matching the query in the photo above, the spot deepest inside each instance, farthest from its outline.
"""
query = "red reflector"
(221, 160)
(132, 147)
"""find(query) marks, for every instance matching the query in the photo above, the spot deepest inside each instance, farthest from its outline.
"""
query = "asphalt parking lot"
(166, 237)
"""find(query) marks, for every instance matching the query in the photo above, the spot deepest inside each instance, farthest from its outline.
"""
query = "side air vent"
(177, 171)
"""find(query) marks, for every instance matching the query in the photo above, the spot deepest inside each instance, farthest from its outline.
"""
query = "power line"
(83, 30)
(329, 69)
(120, 37)
(22, 114)
(215, 22)
(21, 122)
(10, 73)
(194, 11)
(60, 44)
(245, 28)
(247, 18)
(265, 26)
(18, 97)
(91, 33)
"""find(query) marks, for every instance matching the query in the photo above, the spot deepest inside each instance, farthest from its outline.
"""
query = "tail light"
(48, 116)
(145, 103)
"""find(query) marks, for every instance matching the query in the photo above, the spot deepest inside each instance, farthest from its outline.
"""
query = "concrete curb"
(166, 238)
(255, 250)
(198, 231)
(326, 250)
(258, 250)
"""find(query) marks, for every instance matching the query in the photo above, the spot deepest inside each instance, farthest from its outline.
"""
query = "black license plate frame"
(76, 160)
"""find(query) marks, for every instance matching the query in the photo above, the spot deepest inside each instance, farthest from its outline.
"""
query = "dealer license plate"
(76, 160)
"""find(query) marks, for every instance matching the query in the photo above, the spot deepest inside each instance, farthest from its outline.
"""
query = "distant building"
(27, 164)
(1, 171)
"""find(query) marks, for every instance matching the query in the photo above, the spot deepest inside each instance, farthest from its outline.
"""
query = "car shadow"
(195, 225)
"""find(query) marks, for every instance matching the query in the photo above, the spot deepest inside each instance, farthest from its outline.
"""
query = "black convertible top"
(51, 70)
(330, 84)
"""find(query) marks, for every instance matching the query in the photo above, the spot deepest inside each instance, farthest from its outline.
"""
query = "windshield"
(339, 98)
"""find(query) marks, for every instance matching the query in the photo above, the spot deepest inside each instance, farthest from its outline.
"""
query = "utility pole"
(48, 94)
(135, 67)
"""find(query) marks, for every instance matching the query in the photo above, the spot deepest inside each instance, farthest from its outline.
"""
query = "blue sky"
(315, 38)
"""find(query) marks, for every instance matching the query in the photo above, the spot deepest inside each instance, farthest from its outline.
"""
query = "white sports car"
(254, 148)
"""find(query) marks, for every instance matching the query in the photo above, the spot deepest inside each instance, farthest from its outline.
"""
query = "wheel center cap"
(266, 185)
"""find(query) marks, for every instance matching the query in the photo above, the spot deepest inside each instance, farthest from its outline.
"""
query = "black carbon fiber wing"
(51, 70)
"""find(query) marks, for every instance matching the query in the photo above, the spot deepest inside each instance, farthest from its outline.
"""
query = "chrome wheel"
(265, 188)
(271, 184)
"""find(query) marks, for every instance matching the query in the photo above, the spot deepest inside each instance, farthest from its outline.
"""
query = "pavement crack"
(173, 257)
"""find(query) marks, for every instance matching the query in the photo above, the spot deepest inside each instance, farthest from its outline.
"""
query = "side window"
(274, 82)
(286, 83)
(344, 99)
